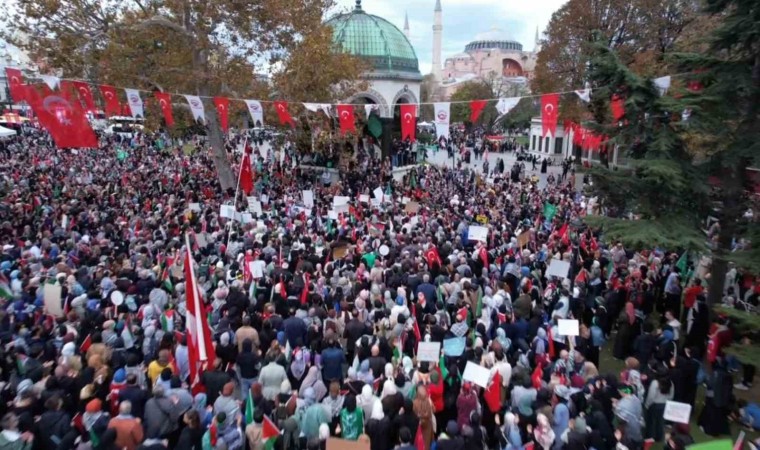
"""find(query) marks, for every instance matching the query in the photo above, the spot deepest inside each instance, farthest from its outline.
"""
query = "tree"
(725, 116)
(640, 31)
(468, 91)
(659, 199)
(427, 91)
(187, 46)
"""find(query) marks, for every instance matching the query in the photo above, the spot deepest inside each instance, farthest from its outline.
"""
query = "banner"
(476, 107)
(85, 94)
(196, 106)
(135, 103)
(165, 102)
(222, 105)
(65, 121)
(16, 84)
(111, 98)
(346, 118)
(584, 94)
(505, 105)
(549, 106)
(256, 112)
(408, 121)
(442, 119)
(282, 113)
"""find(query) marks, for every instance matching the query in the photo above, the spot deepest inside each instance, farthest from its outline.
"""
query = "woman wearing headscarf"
(334, 402)
(351, 419)
(423, 407)
(467, 402)
(297, 369)
(629, 326)
(205, 412)
(379, 429)
(543, 433)
(95, 421)
(313, 379)
(366, 400)
(510, 438)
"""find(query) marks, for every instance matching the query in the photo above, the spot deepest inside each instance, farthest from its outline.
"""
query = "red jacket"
(436, 392)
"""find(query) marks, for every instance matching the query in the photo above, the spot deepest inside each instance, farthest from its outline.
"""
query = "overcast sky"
(462, 20)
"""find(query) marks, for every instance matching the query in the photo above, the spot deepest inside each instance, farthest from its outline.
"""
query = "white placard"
(308, 198)
(557, 268)
(341, 208)
(332, 215)
(376, 202)
(340, 200)
(476, 374)
(238, 217)
(194, 207)
(257, 268)
(378, 193)
(200, 239)
(364, 198)
(677, 412)
(405, 200)
(247, 218)
(255, 207)
(414, 221)
(477, 233)
(429, 351)
(568, 327)
(227, 211)
(250, 201)
(52, 297)
(264, 199)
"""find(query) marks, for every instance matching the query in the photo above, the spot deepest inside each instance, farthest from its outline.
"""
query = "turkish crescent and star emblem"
(54, 100)
(344, 114)
(549, 109)
(408, 117)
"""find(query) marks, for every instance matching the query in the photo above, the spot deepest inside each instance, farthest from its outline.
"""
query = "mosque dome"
(377, 41)
(495, 38)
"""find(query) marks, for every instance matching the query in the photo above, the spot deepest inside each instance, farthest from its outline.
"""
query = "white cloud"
(462, 20)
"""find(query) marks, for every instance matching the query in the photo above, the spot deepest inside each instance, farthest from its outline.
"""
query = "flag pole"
(237, 189)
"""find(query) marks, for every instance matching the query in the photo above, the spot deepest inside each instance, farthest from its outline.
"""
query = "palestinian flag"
(479, 306)
(166, 279)
(85, 344)
(167, 321)
(269, 433)
(5, 287)
(249, 410)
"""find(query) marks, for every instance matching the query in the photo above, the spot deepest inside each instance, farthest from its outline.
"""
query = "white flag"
(505, 105)
(442, 119)
(256, 111)
(196, 106)
(135, 102)
(316, 107)
(369, 108)
(51, 80)
(662, 84)
(584, 94)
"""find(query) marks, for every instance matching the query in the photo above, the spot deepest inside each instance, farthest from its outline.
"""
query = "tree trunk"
(218, 153)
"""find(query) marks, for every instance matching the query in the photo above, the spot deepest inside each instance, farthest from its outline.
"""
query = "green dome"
(376, 41)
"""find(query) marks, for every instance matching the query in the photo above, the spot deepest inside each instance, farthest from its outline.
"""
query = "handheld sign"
(677, 412)
(557, 269)
(568, 327)
(476, 374)
(428, 351)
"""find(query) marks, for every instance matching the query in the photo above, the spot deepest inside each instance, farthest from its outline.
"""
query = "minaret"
(406, 25)
(536, 43)
(437, 32)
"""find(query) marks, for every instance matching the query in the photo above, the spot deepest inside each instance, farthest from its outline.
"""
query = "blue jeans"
(245, 386)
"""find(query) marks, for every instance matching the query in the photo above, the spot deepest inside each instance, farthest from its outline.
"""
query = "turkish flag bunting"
(165, 102)
(549, 105)
(408, 121)
(85, 94)
(246, 176)
(64, 119)
(222, 104)
(283, 114)
(16, 84)
(346, 116)
(112, 106)
(617, 104)
(476, 107)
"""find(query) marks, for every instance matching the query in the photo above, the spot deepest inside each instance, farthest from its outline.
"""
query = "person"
(129, 430)
(11, 438)
(248, 366)
(271, 377)
(405, 440)
(351, 419)
(227, 404)
(54, 425)
(192, 434)
(748, 414)
(423, 408)
(628, 329)
(718, 400)
(161, 416)
(628, 411)
(379, 429)
(659, 392)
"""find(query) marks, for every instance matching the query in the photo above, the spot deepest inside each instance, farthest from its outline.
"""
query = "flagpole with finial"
(237, 189)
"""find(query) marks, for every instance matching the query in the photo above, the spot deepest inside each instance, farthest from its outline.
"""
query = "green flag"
(444, 370)
(374, 126)
(722, 444)
(479, 306)
(549, 211)
(683, 262)
(249, 409)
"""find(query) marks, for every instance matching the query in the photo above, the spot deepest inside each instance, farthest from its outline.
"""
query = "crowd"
(316, 316)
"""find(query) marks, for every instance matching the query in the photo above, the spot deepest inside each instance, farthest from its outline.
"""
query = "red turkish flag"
(16, 84)
(246, 176)
(112, 106)
(346, 117)
(165, 102)
(408, 121)
(222, 104)
(617, 105)
(85, 94)
(549, 106)
(63, 118)
(283, 114)
(476, 107)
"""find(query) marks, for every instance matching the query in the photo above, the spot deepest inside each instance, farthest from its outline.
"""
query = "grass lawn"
(609, 364)
(522, 140)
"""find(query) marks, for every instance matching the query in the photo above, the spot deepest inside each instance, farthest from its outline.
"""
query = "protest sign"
(568, 327)
(477, 233)
(378, 193)
(340, 200)
(344, 444)
(52, 296)
(308, 198)
(454, 346)
(195, 207)
(523, 238)
(257, 268)
(227, 211)
(364, 198)
(677, 412)
(412, 207)
(558, 268)
(476, 374)
(429, 351)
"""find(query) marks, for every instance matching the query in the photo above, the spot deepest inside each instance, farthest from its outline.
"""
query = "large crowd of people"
(321, 341)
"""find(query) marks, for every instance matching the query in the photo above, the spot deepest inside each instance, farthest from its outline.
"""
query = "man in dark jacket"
(161, 416)
(214, 380)
(644, 344)
(135, 395)
(54, 427)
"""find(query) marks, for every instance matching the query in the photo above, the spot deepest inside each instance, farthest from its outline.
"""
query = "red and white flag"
(476, 107)
(222, 104)
(200, 347)
(246, 176)
(165, 102)
(408, 121)
(282, 113)
(16, 84)
(112, 106)
(346, 117)
(85, 94)
(63, 119)
(549, 113)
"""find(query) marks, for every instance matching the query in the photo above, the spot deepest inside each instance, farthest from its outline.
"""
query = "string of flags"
(61, 106)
